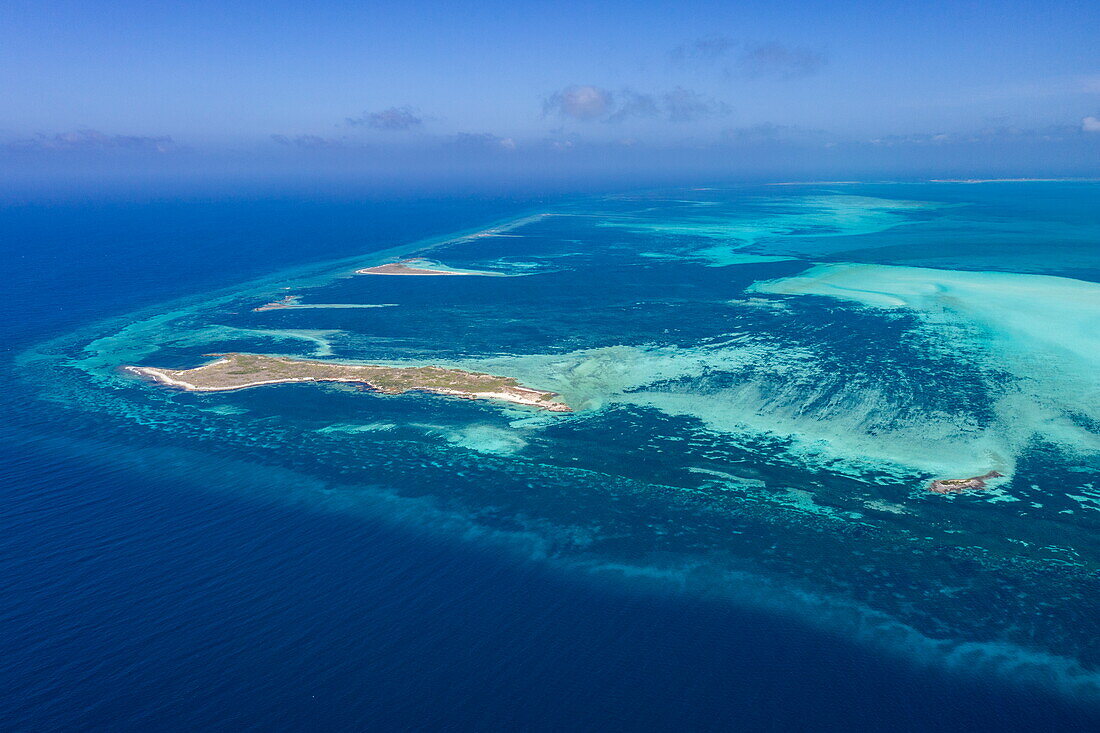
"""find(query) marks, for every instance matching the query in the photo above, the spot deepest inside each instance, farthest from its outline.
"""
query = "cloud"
(776, 60)
(629, 103)
(1090, 124)
(705, 50)
(992, 134)
(685, 105)
(94, 140)
(587, 103)
(306, 141)
(769, 132)
(753, 60)
(393, 119)
(580, 102)
(559, 141)
(485, 141)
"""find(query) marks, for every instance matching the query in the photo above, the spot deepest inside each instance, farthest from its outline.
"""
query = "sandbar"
(294, 302)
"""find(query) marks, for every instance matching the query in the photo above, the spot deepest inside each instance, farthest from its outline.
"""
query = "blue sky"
(256, 82)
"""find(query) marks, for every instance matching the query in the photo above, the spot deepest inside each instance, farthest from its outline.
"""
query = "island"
(419, 266)
(287, 301)
(295, 302)
(241, 371)
(958, 485)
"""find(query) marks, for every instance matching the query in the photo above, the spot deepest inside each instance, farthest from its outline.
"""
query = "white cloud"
(742, 58)
(685, 105)
(582, 102)
(591, 103)
(1090, 124)
(394, 119)
(94, 140)
(481, 141)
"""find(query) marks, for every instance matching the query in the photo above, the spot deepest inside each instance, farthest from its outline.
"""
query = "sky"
(521, 90)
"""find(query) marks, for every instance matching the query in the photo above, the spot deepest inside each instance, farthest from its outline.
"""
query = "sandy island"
(294, 302)
(241, 371)
(417, 266)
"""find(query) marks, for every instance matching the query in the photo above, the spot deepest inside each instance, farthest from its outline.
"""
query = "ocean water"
(732, 529)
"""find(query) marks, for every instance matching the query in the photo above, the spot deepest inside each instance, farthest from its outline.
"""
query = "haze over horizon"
(532, 92)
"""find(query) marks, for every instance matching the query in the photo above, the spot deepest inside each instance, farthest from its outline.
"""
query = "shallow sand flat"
(782, 394)
(1057, 314)
(810, 217)
(1033, 340)
(1043, 331)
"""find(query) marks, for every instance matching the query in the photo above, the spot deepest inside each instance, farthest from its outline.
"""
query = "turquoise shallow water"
(765, 380)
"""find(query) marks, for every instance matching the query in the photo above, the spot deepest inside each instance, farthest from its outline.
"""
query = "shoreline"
(421, 267)
(402, 269)
(501, 390)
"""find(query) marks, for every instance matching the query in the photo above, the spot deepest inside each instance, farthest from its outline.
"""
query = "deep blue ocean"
(732, 531)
